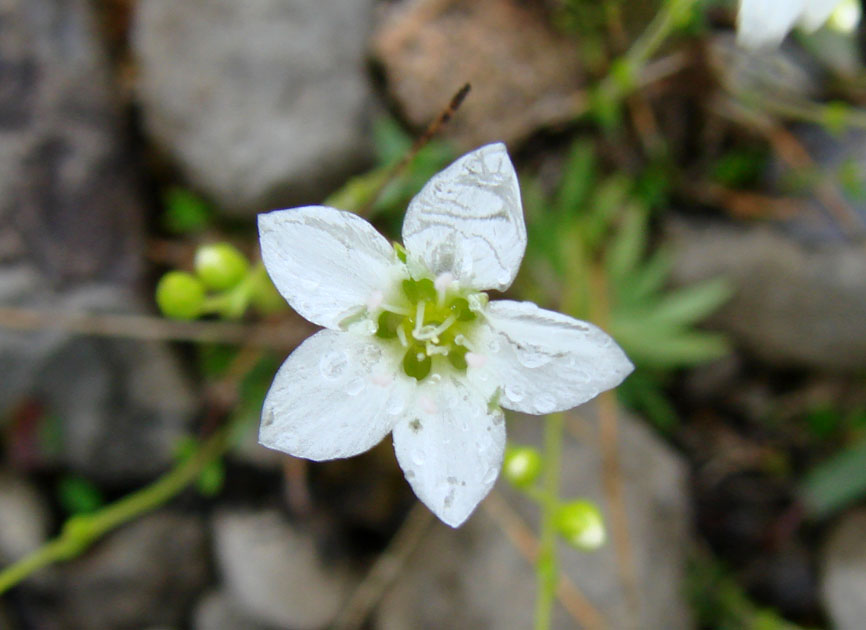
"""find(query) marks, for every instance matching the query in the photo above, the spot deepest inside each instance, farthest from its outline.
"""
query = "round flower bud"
(180, 295)
(220, 266)
(522, 465)
(581, 524)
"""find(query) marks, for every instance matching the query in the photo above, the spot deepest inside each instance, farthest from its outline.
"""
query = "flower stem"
(546, 569)
(79, 532)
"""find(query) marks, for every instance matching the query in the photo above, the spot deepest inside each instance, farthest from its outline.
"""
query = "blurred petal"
(335, 396)
(547, 361)
(764, 23)
(816, 12)
(450, 448)
(325, 262)
(468, 220)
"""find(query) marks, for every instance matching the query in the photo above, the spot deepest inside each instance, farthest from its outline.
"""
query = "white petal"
(468, 220)
(816, 12)
(451, 448)
(325, 262)
(335, 396)
(764, 23)
(547, 361)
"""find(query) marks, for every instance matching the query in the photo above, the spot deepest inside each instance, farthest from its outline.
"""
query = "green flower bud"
(180, 295)
(581, 524)
(220, 266)
(522, 465)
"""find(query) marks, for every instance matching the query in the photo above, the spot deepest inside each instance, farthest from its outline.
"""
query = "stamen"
(399, 310)
(401, 335)
(432, 349)
(442, 282)
(419, 319)
(441, 328)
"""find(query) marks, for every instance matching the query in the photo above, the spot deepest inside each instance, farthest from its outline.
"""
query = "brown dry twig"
(285, 335)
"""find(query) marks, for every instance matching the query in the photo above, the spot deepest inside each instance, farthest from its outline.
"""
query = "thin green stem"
(546, 569)
(81, 531)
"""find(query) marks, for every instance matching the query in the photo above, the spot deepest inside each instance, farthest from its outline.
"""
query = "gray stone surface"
(145, 574)
(844, 572)
(216, 611)
(795, 303)
(474, 578)
(71, 238)
(260, 103)
(24, 518)
(273, 572)
(520, 83)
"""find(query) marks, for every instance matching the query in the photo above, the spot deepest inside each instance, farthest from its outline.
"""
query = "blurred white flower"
(411, 344)
(764, 23)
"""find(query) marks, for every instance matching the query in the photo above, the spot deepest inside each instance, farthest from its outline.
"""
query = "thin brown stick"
(385, 570)
(282, 336)
(518, 532)
(611, 469)
(432, 129)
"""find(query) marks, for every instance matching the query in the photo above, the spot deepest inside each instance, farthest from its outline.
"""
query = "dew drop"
(395, 406)
(514, 393)
(545, 403)
(532, 358)
(490, 475)
(503, 278)
(493, 345)
(309, 285)
(418, 457)
(435, 378)
(333, 364)
(355, 386)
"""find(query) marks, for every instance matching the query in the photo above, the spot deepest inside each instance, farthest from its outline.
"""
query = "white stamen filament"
(399, 310)
(432, 349)
(441, 328)
(401, 334)
(419, 319)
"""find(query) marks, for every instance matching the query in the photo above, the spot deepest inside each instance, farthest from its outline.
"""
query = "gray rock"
(24, 518)
(844, 573)
(216, 611)
(67, 202)
(146, 573)
(474, 578)
(71, 239)
(273, 573)
(261, 103)
(794, 303)
(524, 74)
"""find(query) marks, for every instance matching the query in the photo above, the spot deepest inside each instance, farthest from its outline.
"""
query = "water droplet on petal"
(514, 393)
(309, 284)
(355, 386)
(395, 406)
(418, 457)
(333, 364)
(532, 357)
(490, 475)
(545, 403)
(493, 346)
(435, 378)
(503, 278)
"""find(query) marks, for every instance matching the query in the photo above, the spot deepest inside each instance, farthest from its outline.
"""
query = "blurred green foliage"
(589, 246)
(185, 212)
(720, 603)
(77, 495)
(380, 194)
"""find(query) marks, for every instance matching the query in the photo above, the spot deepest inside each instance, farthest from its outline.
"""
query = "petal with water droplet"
(451, 458)
(325, 262)
(327, 400)
(547, 361)
(467, 221)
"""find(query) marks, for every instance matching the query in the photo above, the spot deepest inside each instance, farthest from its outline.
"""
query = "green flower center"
(431, 325)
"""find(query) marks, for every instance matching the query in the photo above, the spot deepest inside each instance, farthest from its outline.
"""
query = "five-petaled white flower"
(411, 344)
(762, 23)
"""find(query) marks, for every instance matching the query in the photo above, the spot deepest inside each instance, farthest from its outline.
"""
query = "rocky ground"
(105, 105)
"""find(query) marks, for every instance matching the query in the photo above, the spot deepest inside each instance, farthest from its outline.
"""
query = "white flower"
(412, 346)
(763, 23)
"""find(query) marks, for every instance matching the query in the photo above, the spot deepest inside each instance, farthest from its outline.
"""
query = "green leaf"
(645, 280)
(667, 348)
(643, 393)
(628, 244)
(690, 304)
(78, 496)
(836, 483)
(578, 177)
(185, 212)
